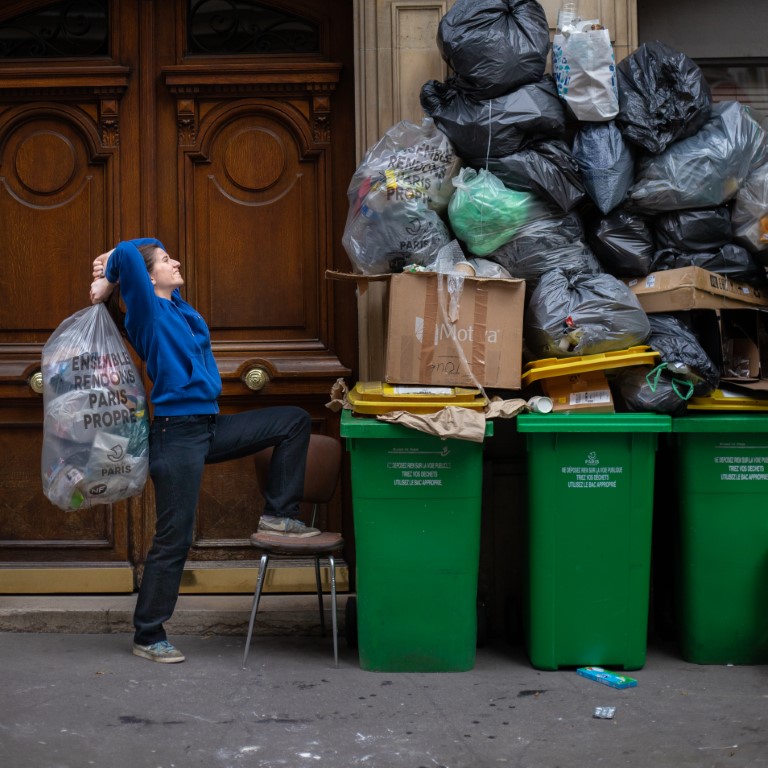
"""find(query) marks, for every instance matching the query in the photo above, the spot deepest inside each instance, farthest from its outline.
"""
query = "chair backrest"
(322, 473)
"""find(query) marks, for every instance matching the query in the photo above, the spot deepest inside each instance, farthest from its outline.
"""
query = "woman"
(187, 430)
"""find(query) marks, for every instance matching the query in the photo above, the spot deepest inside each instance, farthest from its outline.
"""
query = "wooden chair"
(320, 481)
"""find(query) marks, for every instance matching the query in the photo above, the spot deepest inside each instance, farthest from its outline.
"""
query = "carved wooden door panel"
(237, 160)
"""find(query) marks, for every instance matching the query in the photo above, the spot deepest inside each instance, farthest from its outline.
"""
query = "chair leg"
(319, 594)
(255, 607)
(332, 568)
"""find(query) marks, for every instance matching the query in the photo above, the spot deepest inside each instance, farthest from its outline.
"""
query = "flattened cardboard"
(675, 290)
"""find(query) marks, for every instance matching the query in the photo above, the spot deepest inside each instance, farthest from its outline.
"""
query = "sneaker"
(285, 526)
(161, 651)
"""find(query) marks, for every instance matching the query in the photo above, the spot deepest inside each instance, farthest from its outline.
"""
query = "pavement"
(77, 697)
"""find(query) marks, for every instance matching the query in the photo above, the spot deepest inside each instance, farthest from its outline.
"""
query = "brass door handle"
(35, 382)
(256, 378)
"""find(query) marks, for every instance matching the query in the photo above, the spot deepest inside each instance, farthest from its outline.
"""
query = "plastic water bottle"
(566, 18)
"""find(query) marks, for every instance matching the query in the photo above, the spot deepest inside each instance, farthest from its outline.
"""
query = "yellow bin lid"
(373, 397)
(726, 400)
(555, 366)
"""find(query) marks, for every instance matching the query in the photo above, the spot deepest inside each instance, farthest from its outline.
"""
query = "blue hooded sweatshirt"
(169, 336)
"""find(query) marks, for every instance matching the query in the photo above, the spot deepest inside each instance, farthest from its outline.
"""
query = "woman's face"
(165, 274)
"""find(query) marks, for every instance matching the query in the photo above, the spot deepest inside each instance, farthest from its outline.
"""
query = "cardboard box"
(579, 393)
(737, 342)
(674, 290)
(447, 330)
(465, 331)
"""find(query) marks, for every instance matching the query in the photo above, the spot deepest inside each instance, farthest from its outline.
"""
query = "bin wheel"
(350, 622)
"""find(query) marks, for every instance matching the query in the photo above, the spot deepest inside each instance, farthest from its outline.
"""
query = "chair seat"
(298, 545)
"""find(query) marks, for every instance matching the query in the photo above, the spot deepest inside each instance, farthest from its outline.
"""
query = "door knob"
(35, 382)
(256, 378)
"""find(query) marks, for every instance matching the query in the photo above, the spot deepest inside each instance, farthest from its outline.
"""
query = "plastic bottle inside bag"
(64, 489)
(567, 18)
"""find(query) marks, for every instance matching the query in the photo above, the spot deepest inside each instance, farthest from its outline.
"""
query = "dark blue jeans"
(179, 446)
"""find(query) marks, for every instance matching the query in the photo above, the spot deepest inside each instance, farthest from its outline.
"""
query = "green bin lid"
(731, 422)
(370, 426)
(594, 422)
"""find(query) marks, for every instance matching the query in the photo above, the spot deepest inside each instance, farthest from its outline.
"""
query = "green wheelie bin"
(721, 563)
(590, 510)
(416, 508)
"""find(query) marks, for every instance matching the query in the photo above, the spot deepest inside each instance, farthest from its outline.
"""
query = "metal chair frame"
(320, 481)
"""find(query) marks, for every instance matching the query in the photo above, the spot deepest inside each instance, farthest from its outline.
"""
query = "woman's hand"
(100, 264)
(101, 290)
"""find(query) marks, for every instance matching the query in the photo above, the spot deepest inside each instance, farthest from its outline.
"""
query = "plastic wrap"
(96, 423)
(494, 46)
(663, 97)
(575, 315)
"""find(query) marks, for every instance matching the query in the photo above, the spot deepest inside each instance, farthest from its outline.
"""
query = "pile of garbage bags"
(573, 181)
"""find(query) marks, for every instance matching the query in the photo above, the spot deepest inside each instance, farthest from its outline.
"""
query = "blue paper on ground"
(607, 678)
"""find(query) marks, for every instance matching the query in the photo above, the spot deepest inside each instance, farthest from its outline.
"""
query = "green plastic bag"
(485, 214)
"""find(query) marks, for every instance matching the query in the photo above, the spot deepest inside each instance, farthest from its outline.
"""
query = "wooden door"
(229, 136)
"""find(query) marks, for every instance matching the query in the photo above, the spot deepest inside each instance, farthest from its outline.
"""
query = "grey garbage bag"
(704, 170)
(395, 197)
(623, 243)
(731, 260)
(494, 46)
(547, 243)
(96, 421)
(495, 127)
(579, 314)
(663, 97)
(606, 162)
(682, 352)
(750, 212)
(546, 168)
(702, 229)
(386, 239)
(644, 389)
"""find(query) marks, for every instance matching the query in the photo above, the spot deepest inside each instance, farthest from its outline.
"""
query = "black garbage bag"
(495, 127)
(706, 169)
(682, 353)
(551, 242)
(643, 389)
(663, 97)
(606, 162)
(580, 314)
(731, 260)
(494, 46)
(546, 168)
(703, 229)
(623, 243)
